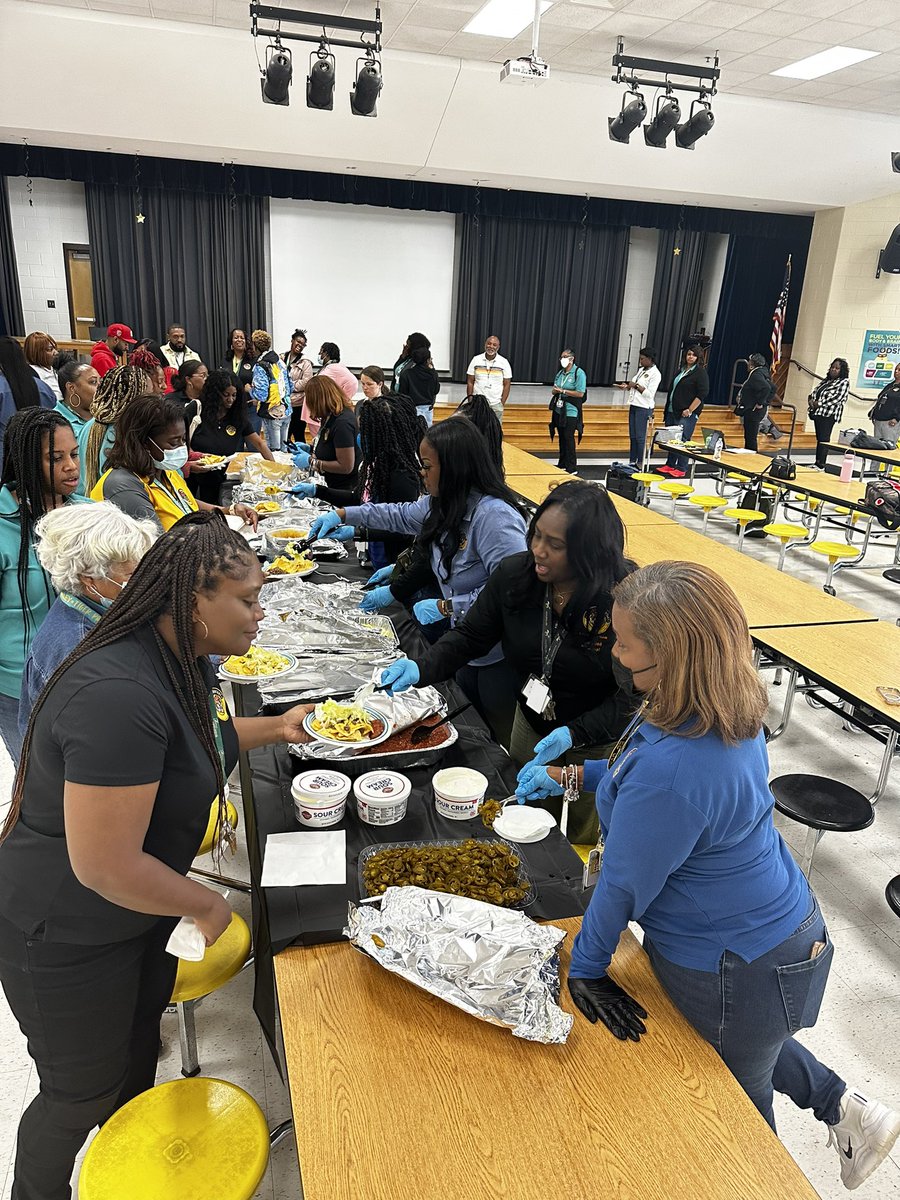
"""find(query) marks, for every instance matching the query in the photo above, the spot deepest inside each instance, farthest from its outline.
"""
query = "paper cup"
(458, 791)
(381, 797)
(320, 798)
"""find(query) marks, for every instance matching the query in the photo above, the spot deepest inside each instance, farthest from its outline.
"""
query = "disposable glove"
(535, 783)
(300, 458)
(381, 575)
(343, 533)
(377, 599)
(292, 446)
(603, 1000)
(427, 612)
(303, 489)
(323, 526)
(399, 676)
(554, 745)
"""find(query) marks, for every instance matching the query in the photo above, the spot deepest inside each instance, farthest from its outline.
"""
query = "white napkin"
(186, 941)
(293, 859)
(519, 823)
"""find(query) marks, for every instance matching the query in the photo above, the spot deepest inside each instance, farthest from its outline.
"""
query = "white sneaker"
(863, 1137)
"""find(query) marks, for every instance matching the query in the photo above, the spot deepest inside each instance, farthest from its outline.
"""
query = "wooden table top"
(891, 457)
(535, 488)
(816, 483)
(853, 659)
(770, 597)
(520, 462)
(396, 1093)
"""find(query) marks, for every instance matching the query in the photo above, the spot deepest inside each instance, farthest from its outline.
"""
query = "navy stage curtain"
(540, 286)
(12, 319)
(196, 260)
(754, 273)
(676, 292)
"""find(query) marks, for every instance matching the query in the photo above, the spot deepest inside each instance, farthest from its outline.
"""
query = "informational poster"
(880, 354)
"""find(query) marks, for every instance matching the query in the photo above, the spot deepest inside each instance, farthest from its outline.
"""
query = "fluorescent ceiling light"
(504, 18)
(823, 64)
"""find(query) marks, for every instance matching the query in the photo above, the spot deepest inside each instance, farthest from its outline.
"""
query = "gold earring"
(198, 621)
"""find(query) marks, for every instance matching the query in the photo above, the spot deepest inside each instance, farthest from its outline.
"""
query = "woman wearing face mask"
(89, 551)
(684, 405)
(143, 475)
(566, 404)
(690, 851)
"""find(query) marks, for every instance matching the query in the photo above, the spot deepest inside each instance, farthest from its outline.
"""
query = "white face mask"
(565, 363)
(172, 460)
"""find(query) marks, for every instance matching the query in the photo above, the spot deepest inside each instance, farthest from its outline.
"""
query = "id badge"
(591, 872)
(536, 695)
(560, 404)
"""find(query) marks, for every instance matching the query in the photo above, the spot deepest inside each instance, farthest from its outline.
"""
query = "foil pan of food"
(396, 754)
(406, 711)
(318, 676)
(488, 869)
(493, 963)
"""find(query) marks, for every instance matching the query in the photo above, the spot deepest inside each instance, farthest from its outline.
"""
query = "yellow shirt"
(135, 495)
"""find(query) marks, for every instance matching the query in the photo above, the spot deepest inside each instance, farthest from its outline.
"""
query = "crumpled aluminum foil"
(494, 963)
(317, 677)
(287, 594)
(404, 710)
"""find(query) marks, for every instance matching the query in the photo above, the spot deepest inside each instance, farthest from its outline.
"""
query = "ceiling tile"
(132, 9)
(472, 45)
(471, 6)
(670, 9)
(197, 13)
(818, 9)
(884, 40)
(575, 16)
(777, 23)
(621, 24)
(738, 41)
(65, 3)
(872, 13)
(721, 15)
(450, 19)
(678, 36)
(762, 64)
(427, 41)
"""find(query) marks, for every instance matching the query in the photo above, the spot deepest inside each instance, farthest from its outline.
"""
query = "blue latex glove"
(555, 744)
(534, 783)
(343, 533)
(292, 446)
(427, 612)
(323, 526)
(303, 489)
(377, 599)
(300, 458)
(399, 676)
(381, 575)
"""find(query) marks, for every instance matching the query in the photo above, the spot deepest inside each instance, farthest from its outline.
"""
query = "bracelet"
(445, 608)
(569, 780)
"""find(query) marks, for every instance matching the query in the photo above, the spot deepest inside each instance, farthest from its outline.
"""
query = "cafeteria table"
(397, 1093)
(886, 458)
(535, 489)
(520, 462)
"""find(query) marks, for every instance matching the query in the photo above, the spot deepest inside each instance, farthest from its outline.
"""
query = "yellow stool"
(198, 1138)
(207, 844)
(676, 491)
(784, 533)
(834, 552)
(743, 516)
(855, 515)
(707, 501)
(222, 961)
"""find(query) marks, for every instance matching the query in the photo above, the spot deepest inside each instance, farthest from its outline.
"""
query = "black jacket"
(756, 391)
(587, 696)
(245, 371)
(887, 406)
(420, 383)
(695, 383)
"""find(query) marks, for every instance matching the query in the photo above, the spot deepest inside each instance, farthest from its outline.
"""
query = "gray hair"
(89, 539)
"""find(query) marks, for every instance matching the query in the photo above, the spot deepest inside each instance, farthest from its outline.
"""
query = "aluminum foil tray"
(393, 760)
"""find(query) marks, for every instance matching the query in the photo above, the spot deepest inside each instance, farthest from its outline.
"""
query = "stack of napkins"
(299, 859)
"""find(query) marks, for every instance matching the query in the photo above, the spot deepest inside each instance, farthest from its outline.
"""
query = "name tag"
(536, 695)
(591, 872)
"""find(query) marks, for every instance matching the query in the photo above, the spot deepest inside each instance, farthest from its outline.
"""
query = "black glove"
(602, 998)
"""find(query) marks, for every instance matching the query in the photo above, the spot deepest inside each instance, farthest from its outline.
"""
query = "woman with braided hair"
(115, 392)
(478, 410)
(128, 745)
(40, 473)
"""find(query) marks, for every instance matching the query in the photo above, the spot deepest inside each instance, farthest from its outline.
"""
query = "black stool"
(822, 805)
(892, 894)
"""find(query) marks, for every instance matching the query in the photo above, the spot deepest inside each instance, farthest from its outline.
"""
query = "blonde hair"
(261, 340)
(695, 629)
(324, 398)
(89, 539)
(117, 388)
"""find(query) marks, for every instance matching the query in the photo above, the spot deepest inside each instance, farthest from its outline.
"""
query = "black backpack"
(883, 498)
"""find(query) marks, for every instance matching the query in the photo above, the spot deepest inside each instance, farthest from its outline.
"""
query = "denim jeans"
(749, 1012)
(680, 461)
(9, 727)
(277, 430)
(427, 412)
(638, 420)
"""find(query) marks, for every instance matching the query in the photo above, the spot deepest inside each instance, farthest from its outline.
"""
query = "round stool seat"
(707, 500)
(744, 515)
(207, 844)
(198, 1138)
(822, 803)
(891, 893)
(736, 477)
(893, 574)
(834, 550)
(648, 477)
(676, 489)
(785, 531)
(221, 962)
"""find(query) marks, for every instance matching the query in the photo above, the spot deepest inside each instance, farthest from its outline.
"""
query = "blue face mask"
(104, 601)
(172, 460)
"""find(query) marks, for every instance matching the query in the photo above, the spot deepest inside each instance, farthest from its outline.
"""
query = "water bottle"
(847, 466)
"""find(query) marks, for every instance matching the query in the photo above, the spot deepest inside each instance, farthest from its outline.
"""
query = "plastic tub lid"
(385, 787)
(460, 783)
(320, 787)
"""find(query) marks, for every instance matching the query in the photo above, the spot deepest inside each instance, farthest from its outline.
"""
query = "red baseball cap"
(123, 332)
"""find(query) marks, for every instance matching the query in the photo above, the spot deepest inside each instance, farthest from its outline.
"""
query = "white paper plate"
(375, 741)
(291, 664)
(293, 575)
(535, 829)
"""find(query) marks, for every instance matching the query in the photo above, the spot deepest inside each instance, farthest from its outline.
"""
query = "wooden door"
(80, 285)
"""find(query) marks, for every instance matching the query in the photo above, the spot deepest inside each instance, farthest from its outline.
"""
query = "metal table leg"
(884, 770)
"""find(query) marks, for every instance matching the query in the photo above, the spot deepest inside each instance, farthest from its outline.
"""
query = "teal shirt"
(82, 433)
(573, 380)
(80, 427)
(15, 636)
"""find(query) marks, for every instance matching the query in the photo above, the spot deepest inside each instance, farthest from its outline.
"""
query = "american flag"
(778, 318)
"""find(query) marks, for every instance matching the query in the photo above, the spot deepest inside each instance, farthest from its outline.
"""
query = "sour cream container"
(458, 791)
(320, 798)
(381, 797)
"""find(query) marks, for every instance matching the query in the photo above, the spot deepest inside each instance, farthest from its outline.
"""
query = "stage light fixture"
(320, 81)
(895, 161)
(367, 88)
(279, 72)
(698, 125)
(632, 114)
(666, 116)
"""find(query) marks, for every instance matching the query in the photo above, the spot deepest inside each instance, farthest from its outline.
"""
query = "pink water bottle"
(847, 466)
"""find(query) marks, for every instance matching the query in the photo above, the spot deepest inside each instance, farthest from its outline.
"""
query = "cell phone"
(890, 695)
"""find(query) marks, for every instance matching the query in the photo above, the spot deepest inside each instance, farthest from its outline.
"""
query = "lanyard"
(227, 836)
(550, 641)
(173, 493)
(80, 606)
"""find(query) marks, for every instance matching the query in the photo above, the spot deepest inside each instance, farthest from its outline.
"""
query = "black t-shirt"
(113, 720)
(338, 433)
(217, 437)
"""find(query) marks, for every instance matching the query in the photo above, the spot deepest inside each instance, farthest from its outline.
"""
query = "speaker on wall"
(889, 257)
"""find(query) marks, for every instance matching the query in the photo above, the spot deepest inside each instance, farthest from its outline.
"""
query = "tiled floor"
(858, 1032)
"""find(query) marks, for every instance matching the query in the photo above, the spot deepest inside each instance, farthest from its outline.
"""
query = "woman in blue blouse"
(467, 523)
(690, 851)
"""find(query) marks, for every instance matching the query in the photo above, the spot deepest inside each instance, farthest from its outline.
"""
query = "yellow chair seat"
(856, 515)
(648, 477)
(736, 476)
(812, 501)
(207, 844)
(744, 515)
(786, 531)
(676, 489)
(834, 550)
(221, 962)
(707, 500)
(202, 1139)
